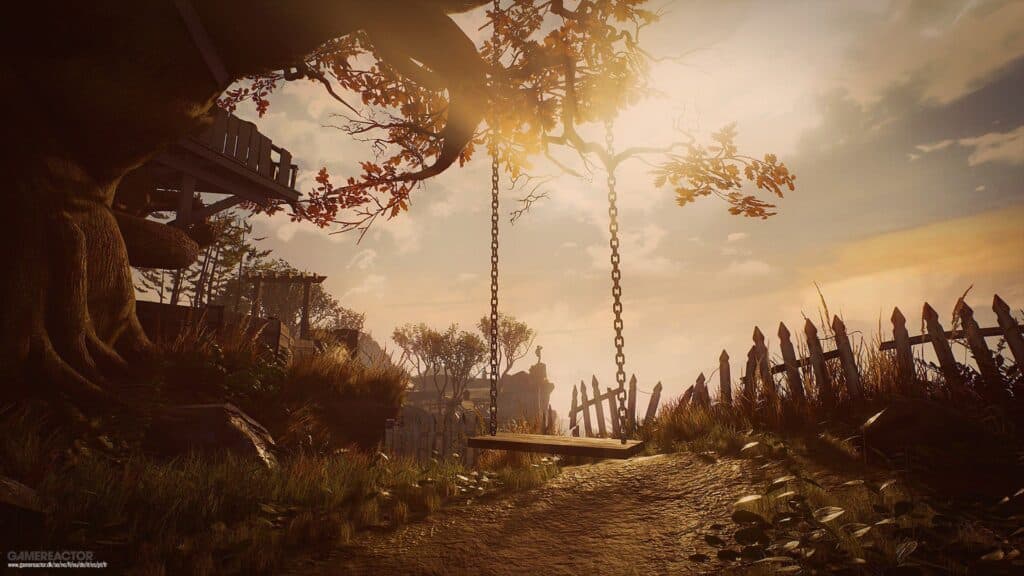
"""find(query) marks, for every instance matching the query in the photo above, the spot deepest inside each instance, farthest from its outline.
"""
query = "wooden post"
(904, 354)
(764, 370)
(700, 391)
(848, 361)
(724, 379)
(652, 406)
(183, 215)
(942, 350)
(687, 396)
(821, 377)
(631, 404)
(1011, 329)
(585, 406)
(613, 409)
(796, 385)
(750, 379)
(307, 290)
(573, 417)
(601, 430)
(995, 386)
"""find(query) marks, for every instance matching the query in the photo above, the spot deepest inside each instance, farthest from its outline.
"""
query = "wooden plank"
(942, 350)
(588, 431)
(284, 168)
(563, 445)
(574, 428)
(990, 332)
(796, 384)
(724, 379)
(613, 411)
(631, 404)
(700, 390)
(995, 386)
(217, 131)
(750, 378)
(243, 148)
(599, 409)
(1010, 328)
(231, 139)
(822, 379)
(225, 174)
(266, 167)
(687, 396)
(846, 358)
(652, 405)
(771, 394)
(904, 354)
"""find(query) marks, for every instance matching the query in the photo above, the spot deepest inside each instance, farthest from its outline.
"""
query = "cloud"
(639, 252)
(952, 47)
(370, 284)
(736, 236)
(363, 260)
(748, 268)
(404, 232)
(996, 147)
(926, 148)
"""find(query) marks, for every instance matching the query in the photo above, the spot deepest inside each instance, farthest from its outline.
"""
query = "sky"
(901, 118)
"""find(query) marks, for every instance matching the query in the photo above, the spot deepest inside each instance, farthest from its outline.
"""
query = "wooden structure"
(307, 280)
(581, 408)
(232, 158)
(760, 387)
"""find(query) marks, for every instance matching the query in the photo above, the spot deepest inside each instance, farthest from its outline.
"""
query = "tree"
(515, 339)
(448, 360)
(68, 297)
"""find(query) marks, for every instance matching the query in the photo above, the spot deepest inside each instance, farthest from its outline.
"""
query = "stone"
(209, 429)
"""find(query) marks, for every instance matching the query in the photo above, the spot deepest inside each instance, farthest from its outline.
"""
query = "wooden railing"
(581, 408)
(242, 142)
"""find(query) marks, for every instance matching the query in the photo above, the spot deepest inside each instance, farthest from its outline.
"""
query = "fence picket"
(937, 335)
(652, 405)
(613, 411)
(995, 386)
(724, 379)
(847, 360)
(585, 406)
(771, 394)
(796, 385)
(700, 391)
(601, 430)
(822, 379)
(750, 379)
(573, 416)
(904, 354)
(1011, 329)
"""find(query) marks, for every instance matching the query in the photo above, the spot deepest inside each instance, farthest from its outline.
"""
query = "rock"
(21, 515)
(209, 428)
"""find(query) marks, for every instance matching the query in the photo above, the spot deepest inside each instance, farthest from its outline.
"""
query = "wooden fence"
(581, 405)
(758, 384)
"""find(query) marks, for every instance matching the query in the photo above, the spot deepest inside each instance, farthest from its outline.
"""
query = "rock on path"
(640, 516)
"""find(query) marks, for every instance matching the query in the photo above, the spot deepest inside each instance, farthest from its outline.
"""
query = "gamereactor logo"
(27, 559)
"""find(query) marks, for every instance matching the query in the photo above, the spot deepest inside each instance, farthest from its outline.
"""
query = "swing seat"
(561, 445)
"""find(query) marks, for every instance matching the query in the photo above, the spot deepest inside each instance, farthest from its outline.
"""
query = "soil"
(641, 516)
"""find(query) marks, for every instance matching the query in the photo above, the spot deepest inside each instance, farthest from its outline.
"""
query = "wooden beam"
(991, 332)
(563, 445)
(211, 209)
(183, 215)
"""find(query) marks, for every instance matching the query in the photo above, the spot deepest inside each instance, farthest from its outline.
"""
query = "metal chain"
(493, 146)
(620, 342)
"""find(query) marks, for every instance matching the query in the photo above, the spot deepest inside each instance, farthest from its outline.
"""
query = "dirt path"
(641, 516)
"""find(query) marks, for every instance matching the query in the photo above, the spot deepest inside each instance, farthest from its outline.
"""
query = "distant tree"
(515, 339)
(412, 340)
(448, 360)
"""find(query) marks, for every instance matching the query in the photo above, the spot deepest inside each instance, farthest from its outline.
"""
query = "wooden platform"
(563, 445)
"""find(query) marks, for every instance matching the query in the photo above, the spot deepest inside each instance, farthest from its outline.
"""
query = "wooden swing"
(621, 447)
